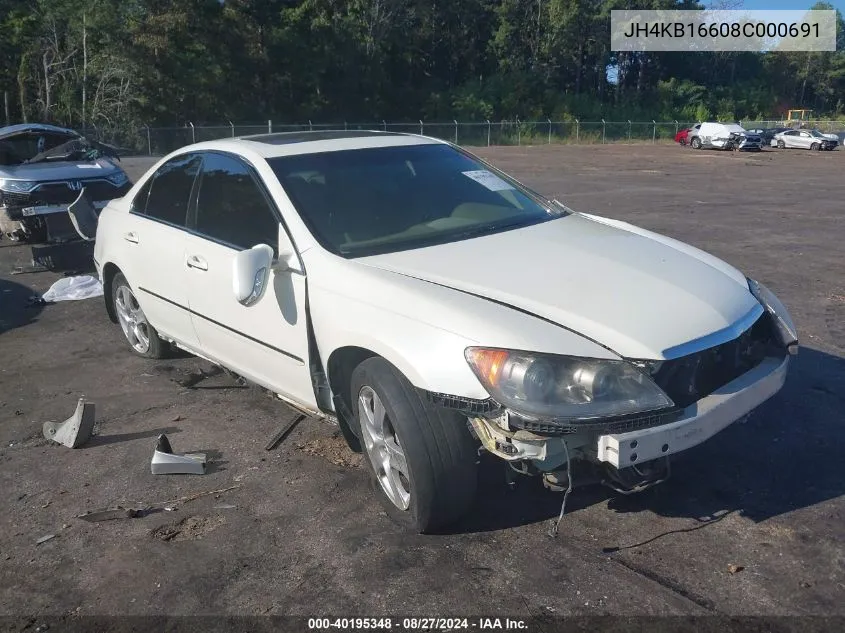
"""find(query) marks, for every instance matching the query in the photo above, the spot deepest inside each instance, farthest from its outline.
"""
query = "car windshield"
(34, 146)
(379, 200)
(816, 133)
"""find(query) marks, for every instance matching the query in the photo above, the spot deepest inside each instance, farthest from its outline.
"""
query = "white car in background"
(431, 305)
(805, 139)
(726, 136)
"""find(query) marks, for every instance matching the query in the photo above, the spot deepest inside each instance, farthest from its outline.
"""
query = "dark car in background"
(43, 168)
(767, 134)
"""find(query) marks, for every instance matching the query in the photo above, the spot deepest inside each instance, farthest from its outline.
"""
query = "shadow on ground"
(787, 456)
(15, 308)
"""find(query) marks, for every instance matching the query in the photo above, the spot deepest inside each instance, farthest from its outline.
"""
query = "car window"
(166, 194)
(231, 207)
(376, 200)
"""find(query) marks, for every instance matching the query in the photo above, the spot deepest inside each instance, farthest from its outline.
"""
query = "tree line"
(118, 64)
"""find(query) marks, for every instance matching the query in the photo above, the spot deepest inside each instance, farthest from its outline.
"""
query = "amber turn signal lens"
(488, 363)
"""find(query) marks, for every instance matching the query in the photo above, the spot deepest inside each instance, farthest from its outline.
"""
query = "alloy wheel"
(383, 448)
(132, 320)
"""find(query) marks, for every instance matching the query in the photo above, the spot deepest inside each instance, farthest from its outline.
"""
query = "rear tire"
(141, 336)
(696, 143)
(401, 431)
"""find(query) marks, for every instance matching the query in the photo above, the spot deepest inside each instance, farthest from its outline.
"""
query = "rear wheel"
(141, 336)
(422, 458)
(696, 143)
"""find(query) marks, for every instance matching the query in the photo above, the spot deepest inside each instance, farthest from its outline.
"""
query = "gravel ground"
(751, 522)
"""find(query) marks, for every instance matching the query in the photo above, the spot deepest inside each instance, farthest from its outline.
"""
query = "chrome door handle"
(132, 236)
(195, 261)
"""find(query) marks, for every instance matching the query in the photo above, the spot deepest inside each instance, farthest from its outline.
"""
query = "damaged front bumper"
(699, 421)
(688, 427)
(45, 221)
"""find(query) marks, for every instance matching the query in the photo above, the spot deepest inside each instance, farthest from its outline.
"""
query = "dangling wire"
(556, 523)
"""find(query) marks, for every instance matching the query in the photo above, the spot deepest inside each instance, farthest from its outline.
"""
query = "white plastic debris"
(74, 431)
(166, 462)
(74, 288)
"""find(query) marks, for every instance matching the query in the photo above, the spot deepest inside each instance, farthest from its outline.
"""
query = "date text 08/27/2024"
(417, 624)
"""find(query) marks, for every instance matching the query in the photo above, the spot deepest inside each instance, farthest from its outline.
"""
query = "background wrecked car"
(43, 168)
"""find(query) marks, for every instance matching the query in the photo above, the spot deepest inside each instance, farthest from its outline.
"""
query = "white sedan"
(433, 306)
(805, 139)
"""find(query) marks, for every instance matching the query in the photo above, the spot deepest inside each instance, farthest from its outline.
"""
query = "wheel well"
(342, 363)
(109, 272)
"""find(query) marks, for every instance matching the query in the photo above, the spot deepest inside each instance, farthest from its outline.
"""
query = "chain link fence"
(162, 140)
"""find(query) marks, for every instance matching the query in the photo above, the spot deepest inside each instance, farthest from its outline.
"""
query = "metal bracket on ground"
(74, 431)
(166, 462)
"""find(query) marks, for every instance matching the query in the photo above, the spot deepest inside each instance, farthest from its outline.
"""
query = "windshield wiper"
(486, 229)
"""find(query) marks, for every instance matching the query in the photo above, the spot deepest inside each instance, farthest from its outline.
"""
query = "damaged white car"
(432, 306)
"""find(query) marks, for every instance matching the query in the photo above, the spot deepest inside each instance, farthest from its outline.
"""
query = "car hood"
(637, 293)
(60, 170)
(10, 131)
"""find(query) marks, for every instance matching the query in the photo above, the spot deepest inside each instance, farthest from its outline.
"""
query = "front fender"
(422, 328)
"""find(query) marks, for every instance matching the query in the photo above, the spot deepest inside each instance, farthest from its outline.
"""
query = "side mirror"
(251, 269)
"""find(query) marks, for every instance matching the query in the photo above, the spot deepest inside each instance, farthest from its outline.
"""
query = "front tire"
(696, 143)
(141, 336)
(781, 145)
(422, 458)
(815, 147)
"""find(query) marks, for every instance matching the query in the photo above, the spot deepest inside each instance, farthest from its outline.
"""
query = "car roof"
(19, 128)
(291, 143)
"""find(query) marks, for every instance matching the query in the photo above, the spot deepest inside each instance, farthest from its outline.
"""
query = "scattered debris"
(22, 270)
(195, 377)
(74, 289)
(176, 418)
(735, 569)
(186, 529)
(110, 514)
(283, 432)
(166, 462)
(74, 431)
(225, 506)
(333, 449)
(181, 500)
(44, 539)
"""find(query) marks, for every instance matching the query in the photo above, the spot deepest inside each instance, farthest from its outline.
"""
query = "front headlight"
(117, 178)
(17, 186)
(568, 387)
(786, 328)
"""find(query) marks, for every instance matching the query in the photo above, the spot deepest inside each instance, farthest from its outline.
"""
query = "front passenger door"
(267, 341)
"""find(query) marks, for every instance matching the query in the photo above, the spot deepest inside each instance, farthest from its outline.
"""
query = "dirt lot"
(297, 530)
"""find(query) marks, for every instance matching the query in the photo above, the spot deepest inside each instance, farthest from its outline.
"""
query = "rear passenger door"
(154, 247)
(267, 341)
